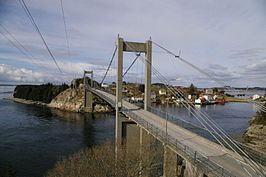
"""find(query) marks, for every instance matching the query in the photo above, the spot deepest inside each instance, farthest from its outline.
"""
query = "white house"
(208, 97)
(256, 96)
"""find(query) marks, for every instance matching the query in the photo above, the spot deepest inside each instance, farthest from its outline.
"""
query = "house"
(200, 100)
(256, 96)
(208, 97)
(209, 91)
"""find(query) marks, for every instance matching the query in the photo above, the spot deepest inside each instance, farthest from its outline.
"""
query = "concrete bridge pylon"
(126, 46)
(88, 96)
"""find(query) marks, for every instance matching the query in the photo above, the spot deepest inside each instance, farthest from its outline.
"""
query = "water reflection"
(33, 138)
(232, 117)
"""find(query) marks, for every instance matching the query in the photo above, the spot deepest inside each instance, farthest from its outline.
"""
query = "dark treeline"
(44, 93)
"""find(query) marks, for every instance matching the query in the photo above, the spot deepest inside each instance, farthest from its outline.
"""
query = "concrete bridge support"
(88, 96)
(132, 47)
(169, 163)
(131, 137)
(138, 144)
(193, 171)
(88, 101)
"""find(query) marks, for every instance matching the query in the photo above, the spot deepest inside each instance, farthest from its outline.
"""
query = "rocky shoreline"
(98, 108)
(255, 136)
(70, 100)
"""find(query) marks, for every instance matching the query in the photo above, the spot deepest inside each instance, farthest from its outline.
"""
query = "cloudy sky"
(226, 39)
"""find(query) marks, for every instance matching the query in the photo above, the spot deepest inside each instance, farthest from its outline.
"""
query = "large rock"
(72, 100)
(69, 100)
(255, 136)
(75, 83)
(101, 108)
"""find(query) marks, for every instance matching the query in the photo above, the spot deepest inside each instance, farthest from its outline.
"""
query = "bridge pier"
(131, 137)
(88, 101)
(193, 171)
(88, 96)
(169, 163)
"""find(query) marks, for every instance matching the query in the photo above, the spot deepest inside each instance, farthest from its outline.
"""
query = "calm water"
(33, 138)
(232, 117)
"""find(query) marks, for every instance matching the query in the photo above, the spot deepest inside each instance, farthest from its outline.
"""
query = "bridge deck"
(212, 152)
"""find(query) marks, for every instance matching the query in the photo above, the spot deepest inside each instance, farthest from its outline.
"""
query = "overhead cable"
(111, 60)
(26, 9)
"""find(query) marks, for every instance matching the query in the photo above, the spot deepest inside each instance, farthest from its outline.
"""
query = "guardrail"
(255, 155)
(107, 99)
(182, 123)
(178, 146)
(196, 158)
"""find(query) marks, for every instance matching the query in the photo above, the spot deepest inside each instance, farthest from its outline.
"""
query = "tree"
(141, 88)
(100, 162)
(192, 89)
(215, 90)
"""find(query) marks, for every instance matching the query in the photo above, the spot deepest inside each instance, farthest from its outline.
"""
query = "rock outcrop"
(69, 100)
(72, 100)
(60, 97)
(255, 135)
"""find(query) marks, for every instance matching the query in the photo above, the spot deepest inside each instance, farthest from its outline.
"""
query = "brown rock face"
(255, 136)
(69, 100)
(72, 100)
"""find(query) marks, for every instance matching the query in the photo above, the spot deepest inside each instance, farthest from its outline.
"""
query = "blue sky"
(225, 38)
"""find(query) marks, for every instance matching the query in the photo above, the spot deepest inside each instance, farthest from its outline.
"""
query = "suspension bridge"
(222, 156)
(201, 157)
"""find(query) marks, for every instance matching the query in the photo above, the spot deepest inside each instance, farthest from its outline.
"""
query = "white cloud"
(257, 67)
(21, 75)
(217, 67)
(206, 31)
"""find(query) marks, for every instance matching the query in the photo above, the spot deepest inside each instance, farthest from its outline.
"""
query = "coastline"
(48, 105)
(233, 99)
(29, 102)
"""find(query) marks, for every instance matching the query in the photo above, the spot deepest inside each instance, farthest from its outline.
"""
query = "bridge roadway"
(207, 152)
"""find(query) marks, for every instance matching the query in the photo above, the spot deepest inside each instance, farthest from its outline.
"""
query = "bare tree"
(100, 161)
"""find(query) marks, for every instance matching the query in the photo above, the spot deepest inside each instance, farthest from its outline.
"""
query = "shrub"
(260, 117)
(100, 162)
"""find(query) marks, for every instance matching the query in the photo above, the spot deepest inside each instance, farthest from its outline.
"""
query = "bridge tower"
(126, 46)
(88, 96)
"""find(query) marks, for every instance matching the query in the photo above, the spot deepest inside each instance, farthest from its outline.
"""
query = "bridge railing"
(183, 123)
(255, 155)
(107, 99)
(196, 158)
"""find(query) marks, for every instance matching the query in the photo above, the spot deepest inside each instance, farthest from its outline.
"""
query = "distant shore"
(235, 99)
(30, 102)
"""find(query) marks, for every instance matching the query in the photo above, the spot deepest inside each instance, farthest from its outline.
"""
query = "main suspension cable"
(28, 13)
(112, 58)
